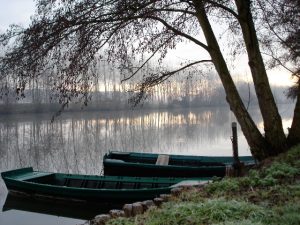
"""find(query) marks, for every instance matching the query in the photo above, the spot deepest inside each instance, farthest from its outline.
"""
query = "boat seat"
(162, 160)
(119, 153)
(114, 160)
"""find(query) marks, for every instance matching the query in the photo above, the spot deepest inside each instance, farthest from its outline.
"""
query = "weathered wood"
(234, 140)
(162, 160)
(238, 167)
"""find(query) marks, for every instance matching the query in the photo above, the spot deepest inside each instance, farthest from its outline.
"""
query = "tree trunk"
(294, 132)
(274, 133)
(254, 138)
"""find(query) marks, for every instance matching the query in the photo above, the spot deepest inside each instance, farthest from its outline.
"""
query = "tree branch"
(166, 75)
(179, 32)
(153, 54)
(223, 7)
(278, 60)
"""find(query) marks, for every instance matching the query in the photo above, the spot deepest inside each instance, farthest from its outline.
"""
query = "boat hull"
(144, 164)
(86, 194)
(91, 188)
(148, 170)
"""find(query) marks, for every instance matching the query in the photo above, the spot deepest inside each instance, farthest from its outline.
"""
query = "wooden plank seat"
(162, 160)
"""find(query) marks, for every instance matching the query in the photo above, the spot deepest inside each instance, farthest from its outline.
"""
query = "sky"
(15, 11)
(19, 12)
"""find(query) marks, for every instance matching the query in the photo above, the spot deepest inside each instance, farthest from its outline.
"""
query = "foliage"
(287, 214)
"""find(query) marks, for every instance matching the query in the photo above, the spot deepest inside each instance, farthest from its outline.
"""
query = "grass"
(268, 195)
(208, 212)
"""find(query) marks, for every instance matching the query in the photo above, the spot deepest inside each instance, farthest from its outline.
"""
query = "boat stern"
(16, 173)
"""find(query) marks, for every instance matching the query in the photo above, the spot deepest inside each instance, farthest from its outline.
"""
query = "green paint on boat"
(88, 187)
(145, 164)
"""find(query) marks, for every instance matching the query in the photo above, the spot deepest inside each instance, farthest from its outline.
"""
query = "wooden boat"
(87, 187)
(151, 165)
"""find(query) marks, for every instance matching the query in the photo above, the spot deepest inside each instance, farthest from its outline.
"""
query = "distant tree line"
(109, 93)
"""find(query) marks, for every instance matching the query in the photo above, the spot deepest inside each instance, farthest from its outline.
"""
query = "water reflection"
(70, 209)
(76, 142)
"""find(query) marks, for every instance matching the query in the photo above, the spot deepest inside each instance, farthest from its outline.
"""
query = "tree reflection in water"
(76, 142)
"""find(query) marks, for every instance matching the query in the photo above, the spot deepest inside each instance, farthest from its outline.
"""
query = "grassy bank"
(268, 195)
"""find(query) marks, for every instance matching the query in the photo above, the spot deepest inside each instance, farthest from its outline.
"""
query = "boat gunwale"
(153, 155)
(149, 165)
(92, 189)
(153, 180)
(226, 160)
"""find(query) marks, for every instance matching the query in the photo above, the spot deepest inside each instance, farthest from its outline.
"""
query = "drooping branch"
(272, 25)
(279, 61)
(146, 61)
(158, 78)
(222, 6)
(178, 32)
(166, 75)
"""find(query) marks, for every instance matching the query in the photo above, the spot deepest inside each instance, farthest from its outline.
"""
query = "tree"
(66, 37)
(282, 21)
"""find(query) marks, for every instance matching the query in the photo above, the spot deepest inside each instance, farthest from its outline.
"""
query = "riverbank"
(267, 195)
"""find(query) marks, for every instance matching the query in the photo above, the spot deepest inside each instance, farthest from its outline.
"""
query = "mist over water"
(76, 142)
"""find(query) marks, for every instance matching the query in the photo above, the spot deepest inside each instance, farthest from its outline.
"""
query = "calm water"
(76, 143)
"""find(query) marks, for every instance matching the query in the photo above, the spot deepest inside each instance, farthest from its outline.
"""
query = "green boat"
(160, 165)
(87, 187)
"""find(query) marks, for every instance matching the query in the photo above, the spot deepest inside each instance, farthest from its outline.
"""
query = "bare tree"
(66, 36)
(282, 20)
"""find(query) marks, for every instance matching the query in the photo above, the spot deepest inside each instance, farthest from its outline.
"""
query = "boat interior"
(164, 160)
(69, 181)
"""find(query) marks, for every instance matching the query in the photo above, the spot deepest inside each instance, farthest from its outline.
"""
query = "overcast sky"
(15, 11)
(19, 12)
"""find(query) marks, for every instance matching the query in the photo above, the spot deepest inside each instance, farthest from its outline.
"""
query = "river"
(76, 143)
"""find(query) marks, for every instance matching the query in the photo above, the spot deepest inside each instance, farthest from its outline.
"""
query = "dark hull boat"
(155, 165)
(87, 187)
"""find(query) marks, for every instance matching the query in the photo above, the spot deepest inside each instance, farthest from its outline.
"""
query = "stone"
(147, 204)
(176, 191)
(127, 208)
(158, 201)
(114, 213)
(190, 183)
(165, 197)
(100, 219)
(137, 208)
